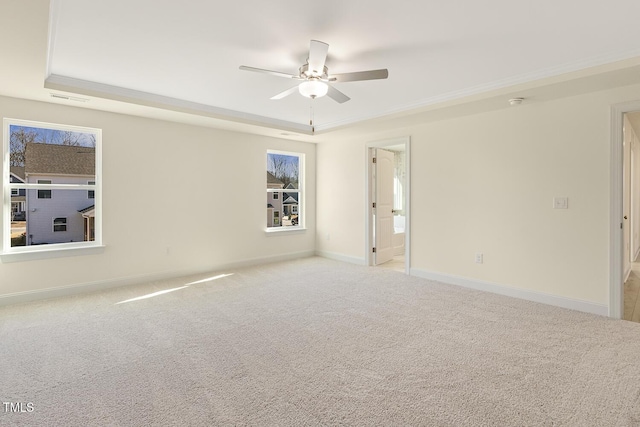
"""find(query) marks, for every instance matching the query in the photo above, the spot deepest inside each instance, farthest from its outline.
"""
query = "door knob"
(625, 217)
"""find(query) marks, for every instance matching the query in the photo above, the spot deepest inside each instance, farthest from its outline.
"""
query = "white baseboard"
(99, 285)
(341, 257)
(80, 288)
(558, 301)
(265, 260)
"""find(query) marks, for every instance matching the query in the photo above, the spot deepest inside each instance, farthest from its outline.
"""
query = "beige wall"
(194, 192)
(341, 199)
(486, 183)
(480, 183)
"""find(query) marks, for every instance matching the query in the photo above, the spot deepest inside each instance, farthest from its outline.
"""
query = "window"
(44, 194)
(285, 177)
(61, 189)
(15, 192)
(59, 224)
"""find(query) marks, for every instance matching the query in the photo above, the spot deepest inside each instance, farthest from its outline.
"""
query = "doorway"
(631, 215)
(622, 249)
(388, 204)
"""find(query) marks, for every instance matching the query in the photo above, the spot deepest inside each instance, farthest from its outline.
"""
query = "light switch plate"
(560, 203)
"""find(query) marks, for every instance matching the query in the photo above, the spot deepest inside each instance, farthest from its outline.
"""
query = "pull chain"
(311, 118)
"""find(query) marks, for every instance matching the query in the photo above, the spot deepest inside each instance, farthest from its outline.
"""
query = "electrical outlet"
(479, 258)
(560, 203)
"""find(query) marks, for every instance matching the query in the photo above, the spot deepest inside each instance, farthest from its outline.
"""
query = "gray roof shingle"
(271, 179)
(59, 159)
(17, 171)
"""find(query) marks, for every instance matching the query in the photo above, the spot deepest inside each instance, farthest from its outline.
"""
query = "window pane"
(283, 174)
(67, 217)
(18, 229)
(285, 169)
(44, 194)
(41, 152)
(45, 155)
(59, 224)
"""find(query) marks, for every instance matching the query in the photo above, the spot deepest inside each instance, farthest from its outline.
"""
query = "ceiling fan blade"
(360, 75)
(336, 95)
(273, 73)
(285, 93)
(317, 56)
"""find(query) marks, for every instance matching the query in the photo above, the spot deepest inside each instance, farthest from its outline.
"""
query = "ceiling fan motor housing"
(306, 73)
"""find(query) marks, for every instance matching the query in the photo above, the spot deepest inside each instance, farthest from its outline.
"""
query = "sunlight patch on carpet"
(166, 291)
(154, 294)
(209, 279)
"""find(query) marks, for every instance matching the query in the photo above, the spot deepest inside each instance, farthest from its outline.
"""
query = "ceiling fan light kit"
(316, 78)
(313, 88)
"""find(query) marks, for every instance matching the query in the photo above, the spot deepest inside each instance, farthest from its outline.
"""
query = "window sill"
(49, 253)
(286, 230)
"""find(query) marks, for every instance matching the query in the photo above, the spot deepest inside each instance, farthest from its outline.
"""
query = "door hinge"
(374, 204)
(374, 160)
(374, 250)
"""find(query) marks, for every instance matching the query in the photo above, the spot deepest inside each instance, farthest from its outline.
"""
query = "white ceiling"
(134, 56)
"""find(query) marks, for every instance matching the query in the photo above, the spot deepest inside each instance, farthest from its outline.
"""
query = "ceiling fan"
(315, 76)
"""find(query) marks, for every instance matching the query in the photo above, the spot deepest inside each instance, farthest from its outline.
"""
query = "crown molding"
(116, 93)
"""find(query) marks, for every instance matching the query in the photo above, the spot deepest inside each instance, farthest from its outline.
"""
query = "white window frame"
(59, 224)
(15, 192)
(91, 194)
(300, 190)
(54, 250)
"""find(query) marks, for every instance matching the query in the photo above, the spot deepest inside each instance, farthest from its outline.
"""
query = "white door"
(384, 206)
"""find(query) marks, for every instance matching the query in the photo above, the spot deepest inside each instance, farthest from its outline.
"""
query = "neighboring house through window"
(285, 173)
(274, 204)
(18, 199)
(56, 171)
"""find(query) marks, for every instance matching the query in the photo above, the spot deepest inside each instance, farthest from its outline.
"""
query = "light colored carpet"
(314, 342)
